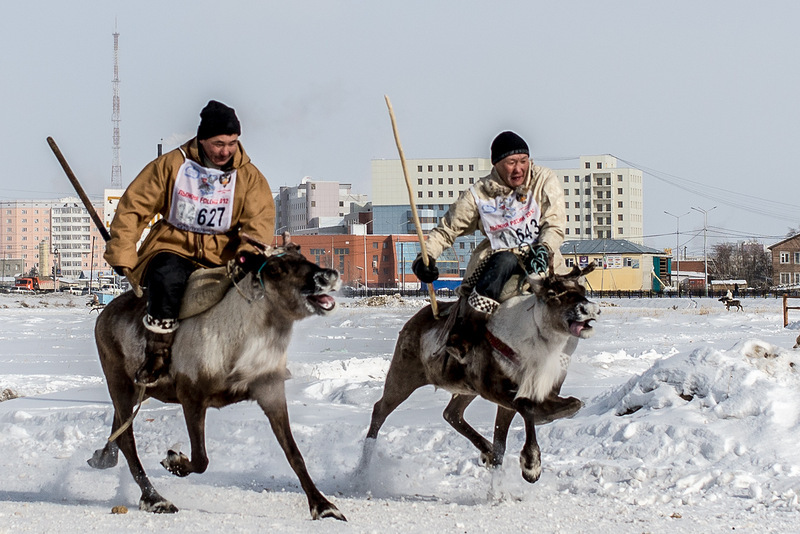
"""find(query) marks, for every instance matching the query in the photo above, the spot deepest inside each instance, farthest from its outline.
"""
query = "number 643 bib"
(202, 199)
(509, 222)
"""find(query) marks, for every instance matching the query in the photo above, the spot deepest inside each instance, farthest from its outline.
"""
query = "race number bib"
(202, 200)
(509, 222)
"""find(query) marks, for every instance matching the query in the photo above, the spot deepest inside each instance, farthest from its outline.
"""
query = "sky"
(689, 424)
(700, 95)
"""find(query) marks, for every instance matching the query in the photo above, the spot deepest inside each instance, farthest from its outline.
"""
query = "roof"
(781, 242)
(606, 246)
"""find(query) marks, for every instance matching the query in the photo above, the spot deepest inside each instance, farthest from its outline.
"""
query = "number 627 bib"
(202, 199)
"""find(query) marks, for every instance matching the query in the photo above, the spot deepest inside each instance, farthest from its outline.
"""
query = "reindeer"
(234, 351)
(731, 302)
(515, 366)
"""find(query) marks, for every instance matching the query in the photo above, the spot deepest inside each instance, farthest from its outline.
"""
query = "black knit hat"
(217, 119)
(507, 144)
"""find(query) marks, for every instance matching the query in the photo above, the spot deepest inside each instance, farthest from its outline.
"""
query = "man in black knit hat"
(207, 193)
(520, 209)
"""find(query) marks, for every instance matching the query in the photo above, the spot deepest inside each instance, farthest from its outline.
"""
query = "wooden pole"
(413, 204)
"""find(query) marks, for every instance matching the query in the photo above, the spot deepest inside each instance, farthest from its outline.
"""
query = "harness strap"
(501, 348)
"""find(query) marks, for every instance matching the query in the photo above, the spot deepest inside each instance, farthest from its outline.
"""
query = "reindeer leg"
(454, 414)
(194, 412)
(530, 458)
(502, 422)
(271, 396)
(124, 397)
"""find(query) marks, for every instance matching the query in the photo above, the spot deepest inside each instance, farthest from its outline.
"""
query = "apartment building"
(52, 236)
(314, 206)
(603, 201)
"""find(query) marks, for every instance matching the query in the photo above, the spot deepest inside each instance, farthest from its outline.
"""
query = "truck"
(34, 283)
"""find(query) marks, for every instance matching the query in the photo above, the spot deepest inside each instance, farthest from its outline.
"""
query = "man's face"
(220, 148)
(513, 169)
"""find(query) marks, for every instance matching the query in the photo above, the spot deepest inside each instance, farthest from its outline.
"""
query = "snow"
(690, 424)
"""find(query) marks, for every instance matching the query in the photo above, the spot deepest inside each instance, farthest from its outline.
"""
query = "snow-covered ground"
(690, 425)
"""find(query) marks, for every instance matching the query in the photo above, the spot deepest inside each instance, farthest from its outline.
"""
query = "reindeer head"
(565, 297)
(287, 277)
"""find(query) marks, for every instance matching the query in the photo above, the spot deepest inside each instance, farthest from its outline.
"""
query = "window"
(450, 194)
(784, 257)
(619, 204)
(450, 168)
(419, 168)
(430, 168)
(599, 165)
(587, 205)
(472, 168)
(460, 181)
(619, 190)
(599, 194)
(471, 180)
(577, 205)
(587, 191)
(628, 262)
(785, 279)
(441, 181)
(566, 192)
(566, 231)
(797, 257)
(577, 231)
(608, 194)
(313, 203)
(419, 194)
(419, 181)
(449, 181)
(577, 191)
(797, 278)
(588, 165)
(619, 177)
(441, 194)
(570, 262)
(619, 217)
(460, 167)
(566, 179)
(619, 230)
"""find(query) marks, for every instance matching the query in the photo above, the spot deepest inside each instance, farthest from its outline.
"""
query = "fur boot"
(159, 335)
(470, 327)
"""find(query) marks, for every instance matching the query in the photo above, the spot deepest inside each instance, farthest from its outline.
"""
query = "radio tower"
(116, 166)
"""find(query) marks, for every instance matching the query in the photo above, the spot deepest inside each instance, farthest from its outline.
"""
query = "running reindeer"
(516, 366)
(234, 351)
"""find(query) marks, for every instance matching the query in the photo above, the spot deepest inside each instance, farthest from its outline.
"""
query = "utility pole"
(678, 245)
(705, 241)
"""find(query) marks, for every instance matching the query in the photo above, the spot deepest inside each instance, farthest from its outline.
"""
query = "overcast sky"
(702, 95)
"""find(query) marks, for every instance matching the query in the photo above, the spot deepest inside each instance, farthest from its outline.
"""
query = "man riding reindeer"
(519, 207)
(208, 193)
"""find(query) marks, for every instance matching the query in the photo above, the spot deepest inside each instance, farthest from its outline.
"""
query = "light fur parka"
(463, 217)
(150, 194)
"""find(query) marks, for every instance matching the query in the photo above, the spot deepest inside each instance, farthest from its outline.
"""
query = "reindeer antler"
(247, 238)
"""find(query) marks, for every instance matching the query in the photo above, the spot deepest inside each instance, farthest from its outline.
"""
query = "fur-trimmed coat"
(150, 194)
(463, 217)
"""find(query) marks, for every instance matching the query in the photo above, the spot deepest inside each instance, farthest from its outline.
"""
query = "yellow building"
(620, 265)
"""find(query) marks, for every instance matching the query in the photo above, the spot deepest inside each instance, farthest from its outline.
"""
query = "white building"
(602, 200)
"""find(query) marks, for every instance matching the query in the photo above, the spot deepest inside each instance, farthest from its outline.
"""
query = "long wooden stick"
(411, 201)
(87, 204)
(78, 189)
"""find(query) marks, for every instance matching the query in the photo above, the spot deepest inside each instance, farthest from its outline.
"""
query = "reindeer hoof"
(102, 459)
(491, 460)
(177, 464)
(531, 466)
(159, 506)
(327, 510)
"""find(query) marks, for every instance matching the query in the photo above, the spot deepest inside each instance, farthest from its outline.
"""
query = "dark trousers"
(166, 278)
(498, 270)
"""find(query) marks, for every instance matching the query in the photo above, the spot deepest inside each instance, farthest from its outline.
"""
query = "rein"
(501, 348)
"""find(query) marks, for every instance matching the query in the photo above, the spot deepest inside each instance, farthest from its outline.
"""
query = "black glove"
(537, 260)
(425, 273)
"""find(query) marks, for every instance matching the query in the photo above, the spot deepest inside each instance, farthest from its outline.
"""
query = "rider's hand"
(537, 260)
(425, 273)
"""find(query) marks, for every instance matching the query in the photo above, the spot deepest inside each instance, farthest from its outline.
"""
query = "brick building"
(786, 261)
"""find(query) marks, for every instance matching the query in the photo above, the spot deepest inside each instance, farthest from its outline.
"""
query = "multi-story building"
(602, 200)
(52, 236)
(315, 207)
(786, 261)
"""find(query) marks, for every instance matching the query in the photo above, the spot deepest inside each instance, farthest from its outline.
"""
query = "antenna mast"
(116, 166)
